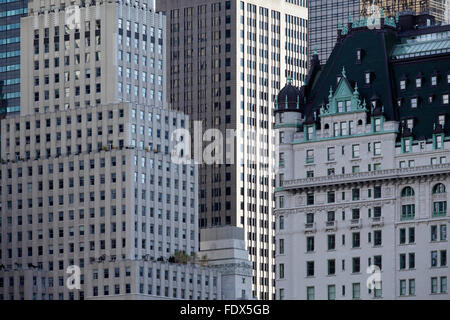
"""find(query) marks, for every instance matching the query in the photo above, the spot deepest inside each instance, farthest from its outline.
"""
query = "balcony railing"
(355, 223)
(310, 227)
(376, 221)
(331, 225)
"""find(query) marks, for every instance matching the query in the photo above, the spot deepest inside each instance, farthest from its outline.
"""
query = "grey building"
(86, 173)
(362, 185)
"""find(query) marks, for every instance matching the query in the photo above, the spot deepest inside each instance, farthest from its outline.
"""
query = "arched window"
(439, 188)
(407, 192)
(360, 122)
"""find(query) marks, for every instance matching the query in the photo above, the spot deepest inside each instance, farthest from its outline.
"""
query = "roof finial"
(298, 102)
(331, 92)
(356, 88)
(434, 126)
(344, 74)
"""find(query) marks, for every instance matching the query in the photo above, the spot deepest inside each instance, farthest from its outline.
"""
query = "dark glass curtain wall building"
(10, 13)
(323, 17)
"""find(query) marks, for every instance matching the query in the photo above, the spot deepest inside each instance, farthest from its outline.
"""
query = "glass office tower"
(323, 18)
(10, 13)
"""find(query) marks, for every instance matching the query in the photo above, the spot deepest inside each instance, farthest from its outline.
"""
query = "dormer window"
(340, 106)
(358, 55)
(445, 98)
(409, 123)
(419, 82)
(442, 119)
(414, 102)
(439, 142)
(430, 98)
(310, 132)
(367, 78)
(377, 127)
(448, 78)
(434, 80)
(399, 102)
(402, 84)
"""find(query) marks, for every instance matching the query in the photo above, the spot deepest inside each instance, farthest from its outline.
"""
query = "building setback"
(363, 174)
(225, 62)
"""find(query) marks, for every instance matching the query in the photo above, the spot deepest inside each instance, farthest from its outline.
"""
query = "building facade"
(363, 172)
(86, 173)
(225, 62)
(326, 16)
(10, 13)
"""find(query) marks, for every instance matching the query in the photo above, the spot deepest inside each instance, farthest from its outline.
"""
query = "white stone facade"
(343, 204)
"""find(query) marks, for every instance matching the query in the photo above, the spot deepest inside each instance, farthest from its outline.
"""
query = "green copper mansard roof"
(387, 55)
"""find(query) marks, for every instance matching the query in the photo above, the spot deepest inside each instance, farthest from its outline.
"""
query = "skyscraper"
(10, 13)
(225, 65)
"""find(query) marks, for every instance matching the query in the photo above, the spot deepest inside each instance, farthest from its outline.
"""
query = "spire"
(356, 89)
(344, 74)
(331, 93)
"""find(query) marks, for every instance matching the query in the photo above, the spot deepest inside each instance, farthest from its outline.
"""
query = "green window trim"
(439, 209)
(408, 212)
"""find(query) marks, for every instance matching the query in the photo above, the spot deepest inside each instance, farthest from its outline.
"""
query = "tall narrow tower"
(226, 62)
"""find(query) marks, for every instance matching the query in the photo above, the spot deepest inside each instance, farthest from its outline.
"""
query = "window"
(434, 80)
(356, 265)
(434, 285)
(402, 287)
(331, 241)
(355, 240)
(367, 78)
(356, 291)
(331, 196)
(377, 148)
(331, 292)
(445, 98)
(310, 293)
(407, 192)
(377, 239)
(439, 188)
(412, 287)
(355, 151)
(439, 208)
(331, 267)
(402, 84)
(309, 156)
(419, 82)
(310, 268)
(414, 102)
(309, 244)
(408, 211)
(331, 154)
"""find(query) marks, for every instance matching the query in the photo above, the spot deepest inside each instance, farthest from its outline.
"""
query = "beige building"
(225, 65)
